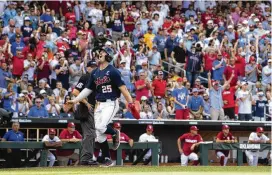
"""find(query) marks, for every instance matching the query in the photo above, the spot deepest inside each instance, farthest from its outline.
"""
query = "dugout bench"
(205, 147)
(154, 146)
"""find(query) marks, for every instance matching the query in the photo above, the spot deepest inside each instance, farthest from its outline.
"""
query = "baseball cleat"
(116, 140)
(107, 163)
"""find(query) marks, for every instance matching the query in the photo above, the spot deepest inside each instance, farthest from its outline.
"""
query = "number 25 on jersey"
(106, 89)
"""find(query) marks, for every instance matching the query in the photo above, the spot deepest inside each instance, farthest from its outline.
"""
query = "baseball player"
(190, 141)
(224, 137)
(108, 85)
(123, 138)
(51, 140)
(87, 125)
(256, 137)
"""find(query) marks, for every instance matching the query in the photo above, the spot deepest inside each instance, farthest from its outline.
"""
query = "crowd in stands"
(198, 60)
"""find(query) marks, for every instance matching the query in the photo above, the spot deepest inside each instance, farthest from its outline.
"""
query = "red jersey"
(123, 138)
(40, 49)
(208, 61)
(26, 50)
(222, 136)
(70, 16)
(18, 65)
(205, 17)
(189, 140)
(240, 64)
(167, 25)
(228, 71)
(62, 46)
(129, 27)
(73, 33)
(45, 72)
(66, 135)
(159, 87)
(141, 92)
(228, 95)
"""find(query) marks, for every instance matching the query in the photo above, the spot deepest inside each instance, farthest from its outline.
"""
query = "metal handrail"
(175, 67)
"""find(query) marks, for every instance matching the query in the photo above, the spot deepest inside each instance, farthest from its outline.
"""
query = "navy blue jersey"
(106, 83)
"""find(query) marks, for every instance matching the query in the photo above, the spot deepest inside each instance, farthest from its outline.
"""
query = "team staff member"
(68, 135)
(224, 137)
(13, 155)
(190, 141)
(51, 140)
(108, 85)
(87, 125)
(256, 137)
(123, 138)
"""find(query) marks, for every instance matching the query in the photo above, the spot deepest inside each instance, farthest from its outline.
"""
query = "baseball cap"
(123, 61)
(244, 83)
(21, 95)
(108, 43)
(52, 131)
(230, 27)
(143, 98)
(91, 63)
(179, 79)
(24, 91)
(160, 72)
(150, 28)
(42, 91)
(70, 22)
(57, 22)
(194, 128)
(225, 127)
(71, 125)
(158, 97)
(260, 94)
(149, 128)
(269, 61)
(133, 95)
(27, 18)
(18, 36)
(251, 59)
(260, 130)
(117, 125)
(154, 47)
(195, 90)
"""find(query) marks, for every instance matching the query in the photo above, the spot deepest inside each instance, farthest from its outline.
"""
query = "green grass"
(137, 169)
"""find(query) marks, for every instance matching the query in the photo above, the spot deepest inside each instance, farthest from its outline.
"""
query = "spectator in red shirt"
(129, 22)
(224, 137)
(18, 64)
(240, 63)
(70, 15)
(190, 141)
(159, 85)
(208, 60)
(43, 67)
(68, 135)
(229, 101)
(72, 30)
(142, 86)
(231, 68)
(123, 139)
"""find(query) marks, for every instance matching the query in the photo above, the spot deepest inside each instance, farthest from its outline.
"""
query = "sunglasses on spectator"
(38, 101)
(11, 26)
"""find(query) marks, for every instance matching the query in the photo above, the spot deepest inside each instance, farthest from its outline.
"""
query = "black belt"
(105, 100)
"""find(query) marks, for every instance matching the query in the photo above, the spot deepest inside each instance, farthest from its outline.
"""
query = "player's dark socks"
(195, 162)
(105, 149)
(110, 130)
(222, 158)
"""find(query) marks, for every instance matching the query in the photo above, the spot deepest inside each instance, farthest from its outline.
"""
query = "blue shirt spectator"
(137, 32)
(181, 95)
(9, 13)
(160, 41)
(170, 43)
(46, 17)
(218, 68)
(38, 110)
(14, 135)
(5, 76)
(216, 98)
(18, 44)
(195, 101)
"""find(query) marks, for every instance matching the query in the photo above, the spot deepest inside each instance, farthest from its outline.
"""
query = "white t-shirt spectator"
(53, 64)
(266, 79)
(244, 106)
(54, 109)
(146, 115)
(30, 71)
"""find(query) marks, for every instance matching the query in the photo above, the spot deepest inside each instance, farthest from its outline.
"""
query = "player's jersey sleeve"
(81, 83)
(116, 77)
(252, 136)
(199, 139)
(45, 138)
(63, 134)
(265, 137)
(126, 137)
(181, 138)
(219, 136)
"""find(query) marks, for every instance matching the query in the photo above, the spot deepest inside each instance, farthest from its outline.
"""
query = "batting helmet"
(225, 127)
(109, 52)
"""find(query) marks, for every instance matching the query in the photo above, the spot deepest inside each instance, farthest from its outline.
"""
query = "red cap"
(252, 59)
(117, 125)
(133, 6)
(149, 128)
(71, 125)
(179, 79)
(52, 131)
(260, 129)
(194, 128)
(225, 127)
